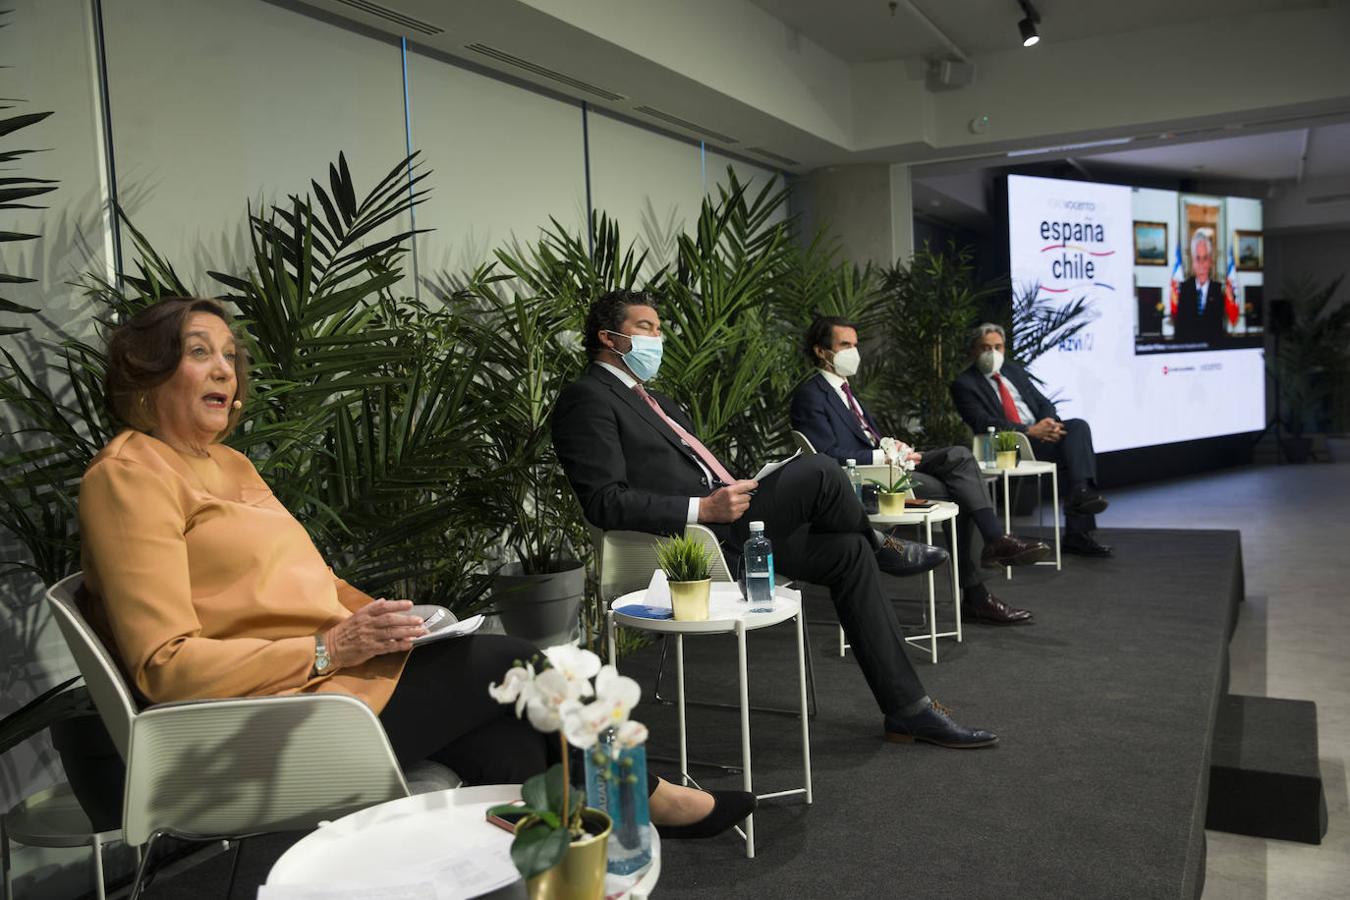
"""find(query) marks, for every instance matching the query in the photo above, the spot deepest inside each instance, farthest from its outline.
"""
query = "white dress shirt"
(1023, 410)
(691, 517)
(837, 382)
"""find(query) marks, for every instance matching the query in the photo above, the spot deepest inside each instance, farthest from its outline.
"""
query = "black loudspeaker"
(1281, 317)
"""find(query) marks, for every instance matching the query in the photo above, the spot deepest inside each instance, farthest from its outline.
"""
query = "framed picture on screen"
(1150, 243)
(1249, 251)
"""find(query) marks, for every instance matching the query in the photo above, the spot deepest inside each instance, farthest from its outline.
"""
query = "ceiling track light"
(1031, 18)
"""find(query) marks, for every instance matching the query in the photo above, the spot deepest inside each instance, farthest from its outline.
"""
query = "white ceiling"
(1257, 157)
(867, 31)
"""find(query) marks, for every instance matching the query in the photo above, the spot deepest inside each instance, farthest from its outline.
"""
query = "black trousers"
(441, 710)
(951, 473)
(1077, 462)
(821, 535)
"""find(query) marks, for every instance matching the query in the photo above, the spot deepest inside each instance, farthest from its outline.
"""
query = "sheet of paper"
(770, 468)
(458, 629)
(470, 870)
(422, 890)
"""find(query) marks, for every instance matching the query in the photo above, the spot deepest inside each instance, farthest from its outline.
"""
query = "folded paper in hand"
(769, 468)
(442, 624)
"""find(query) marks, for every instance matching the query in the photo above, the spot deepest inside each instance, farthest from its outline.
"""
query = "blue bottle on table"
(758, 567)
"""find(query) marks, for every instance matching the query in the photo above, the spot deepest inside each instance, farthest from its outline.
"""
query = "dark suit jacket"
(1190, 324)
(980, 406)
(629, 470)
(823, 416)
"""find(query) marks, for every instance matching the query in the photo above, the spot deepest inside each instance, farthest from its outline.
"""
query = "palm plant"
(723, 350)
(930, 303)
(14, 190)
(1312, 358)
(1037, 324)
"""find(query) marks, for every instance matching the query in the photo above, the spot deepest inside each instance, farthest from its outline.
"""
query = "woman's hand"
(379, 627)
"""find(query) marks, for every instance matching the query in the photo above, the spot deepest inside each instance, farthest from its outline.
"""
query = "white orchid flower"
(576, 665)
(615, 697)
(551, 693)
(630, 734)
(517, 687)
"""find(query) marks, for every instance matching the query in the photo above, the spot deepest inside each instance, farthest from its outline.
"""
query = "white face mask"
(846, 362)
(990, 361)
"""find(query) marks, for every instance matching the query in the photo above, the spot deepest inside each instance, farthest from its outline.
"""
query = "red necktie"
(693, 443)
(1009, 407)
(862, 419)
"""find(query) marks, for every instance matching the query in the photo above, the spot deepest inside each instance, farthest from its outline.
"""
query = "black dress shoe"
(729, 807)
(994, 611)
(1085, 502)
(1011, 550)
(904, 558)
(1083, 544)
(934, 726)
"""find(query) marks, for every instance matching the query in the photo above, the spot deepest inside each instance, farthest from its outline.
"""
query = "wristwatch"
(323, 663)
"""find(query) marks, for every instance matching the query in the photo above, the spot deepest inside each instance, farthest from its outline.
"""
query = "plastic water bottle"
(855, 477)
(758, 567)
(989, 451)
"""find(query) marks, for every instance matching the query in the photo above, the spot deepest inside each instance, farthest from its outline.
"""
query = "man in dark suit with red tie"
(635, 464)
(1200, 302)
(827, 412)
(999, 393)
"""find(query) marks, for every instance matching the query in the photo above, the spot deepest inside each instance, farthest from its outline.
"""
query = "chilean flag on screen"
(1230, 290)
(1174, 286)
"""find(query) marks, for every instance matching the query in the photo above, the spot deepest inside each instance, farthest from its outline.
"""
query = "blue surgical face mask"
(644, 357)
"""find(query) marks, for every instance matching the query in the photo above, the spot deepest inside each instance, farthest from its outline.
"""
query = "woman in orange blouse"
(205, 586)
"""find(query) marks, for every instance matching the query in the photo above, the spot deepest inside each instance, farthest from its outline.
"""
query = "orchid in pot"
(561, 844)
(899, 483)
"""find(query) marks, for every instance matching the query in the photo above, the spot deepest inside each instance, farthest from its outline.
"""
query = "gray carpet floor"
(1097, 788)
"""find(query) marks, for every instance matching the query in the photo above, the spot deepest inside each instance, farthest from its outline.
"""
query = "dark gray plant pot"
(542, 609)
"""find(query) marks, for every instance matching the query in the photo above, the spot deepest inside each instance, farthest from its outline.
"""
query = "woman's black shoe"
(729, 808)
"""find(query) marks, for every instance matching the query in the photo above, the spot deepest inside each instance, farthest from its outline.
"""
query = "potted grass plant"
(560, 847)
(688, 567)
(1005, 449)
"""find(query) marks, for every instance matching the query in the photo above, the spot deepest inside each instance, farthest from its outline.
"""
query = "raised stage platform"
(1105, 706)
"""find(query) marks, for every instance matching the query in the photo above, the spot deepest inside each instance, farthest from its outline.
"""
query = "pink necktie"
(862, 420)
(693, 443)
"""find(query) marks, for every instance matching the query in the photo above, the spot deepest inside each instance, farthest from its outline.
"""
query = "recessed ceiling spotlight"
(1031, 18)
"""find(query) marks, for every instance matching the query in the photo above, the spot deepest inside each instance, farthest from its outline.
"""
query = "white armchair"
(230, 768)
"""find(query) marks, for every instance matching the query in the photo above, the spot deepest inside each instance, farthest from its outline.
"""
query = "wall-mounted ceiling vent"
(392, 15)
(685, 124)
(776, 157)
(543, 72)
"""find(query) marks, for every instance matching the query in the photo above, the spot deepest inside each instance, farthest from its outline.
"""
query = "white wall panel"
(651, 183)
(214, 104)
(503, 159)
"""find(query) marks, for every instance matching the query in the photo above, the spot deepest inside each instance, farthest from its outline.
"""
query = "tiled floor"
(1292, 640)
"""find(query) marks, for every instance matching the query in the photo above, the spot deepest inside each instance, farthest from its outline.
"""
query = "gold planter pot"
(581, 874)
(892, 504)
(1006, 459)
(690, 600)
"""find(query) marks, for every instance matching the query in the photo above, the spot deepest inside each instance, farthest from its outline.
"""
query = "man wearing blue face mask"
(635, 464)
(995, 392)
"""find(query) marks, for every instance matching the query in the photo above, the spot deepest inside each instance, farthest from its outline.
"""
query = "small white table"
(1027, 468)
(728, 615)
(406, 836)
(941, 511)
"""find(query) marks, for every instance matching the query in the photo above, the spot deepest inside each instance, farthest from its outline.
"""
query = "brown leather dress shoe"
(1011, 550)
(994, 611)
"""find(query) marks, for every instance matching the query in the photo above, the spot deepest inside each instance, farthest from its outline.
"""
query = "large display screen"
(1173, 283)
